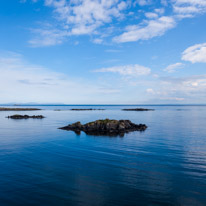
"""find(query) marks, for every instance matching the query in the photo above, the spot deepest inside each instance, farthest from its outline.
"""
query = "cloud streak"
(127, 70)
(173, 67)
(153, 28)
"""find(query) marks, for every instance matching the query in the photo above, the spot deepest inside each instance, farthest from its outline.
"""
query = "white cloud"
(173, 67)
(78, 17)
(98, 17)
(127, 70)
(195, 54)
(151, 15)
(150, 91)
(160, 10)
(148, 29)
(85, 16)
(192, 2)
(190, 89)
(153, 28)
(189, 8)
(143, 2)
(186, 9)
(173, 98)
(97, 41)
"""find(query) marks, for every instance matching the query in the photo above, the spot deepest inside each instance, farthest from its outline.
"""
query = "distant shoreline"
(18, 109)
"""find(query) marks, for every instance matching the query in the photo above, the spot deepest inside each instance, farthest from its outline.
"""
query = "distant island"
(138, 109)
(105, 127)
(90, 109)
(17, 116)
(18, 109)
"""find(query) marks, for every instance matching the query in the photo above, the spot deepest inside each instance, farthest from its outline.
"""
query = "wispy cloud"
(152, 29)
(189, 89)
(21, 81)
(97, 41)
(47, 36)
(127, 70)
(188, 8)
(195, 53)
(173, 67)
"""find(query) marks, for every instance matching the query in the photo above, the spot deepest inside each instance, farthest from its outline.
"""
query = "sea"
(164, 165)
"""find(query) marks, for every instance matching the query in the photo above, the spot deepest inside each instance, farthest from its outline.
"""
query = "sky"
(103, 51)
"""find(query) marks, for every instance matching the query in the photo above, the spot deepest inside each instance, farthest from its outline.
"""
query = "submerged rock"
(138, 109)
(106, 127)
(17, 116)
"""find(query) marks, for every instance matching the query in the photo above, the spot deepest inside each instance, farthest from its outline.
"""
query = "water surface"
(165, 165)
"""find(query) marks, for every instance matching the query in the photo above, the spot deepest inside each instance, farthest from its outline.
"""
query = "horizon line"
(52, 104)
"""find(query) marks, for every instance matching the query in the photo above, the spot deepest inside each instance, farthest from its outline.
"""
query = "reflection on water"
(165, 165)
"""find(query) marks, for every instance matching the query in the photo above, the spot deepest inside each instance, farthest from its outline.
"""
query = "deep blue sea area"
(164, 165)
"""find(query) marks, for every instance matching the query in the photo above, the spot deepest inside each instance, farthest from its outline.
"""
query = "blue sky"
(103, 51)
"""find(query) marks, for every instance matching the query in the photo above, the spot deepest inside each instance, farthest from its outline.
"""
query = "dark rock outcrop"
(106, 127)
(18, 109)
(90, 109)
(17, 116)
(138, 109)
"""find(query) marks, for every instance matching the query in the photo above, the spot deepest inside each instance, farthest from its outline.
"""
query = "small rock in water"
(106, 127)
(138, 109)
(17, 116)
(90, 109)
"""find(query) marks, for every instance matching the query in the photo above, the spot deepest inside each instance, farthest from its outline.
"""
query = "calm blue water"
(165, 165)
